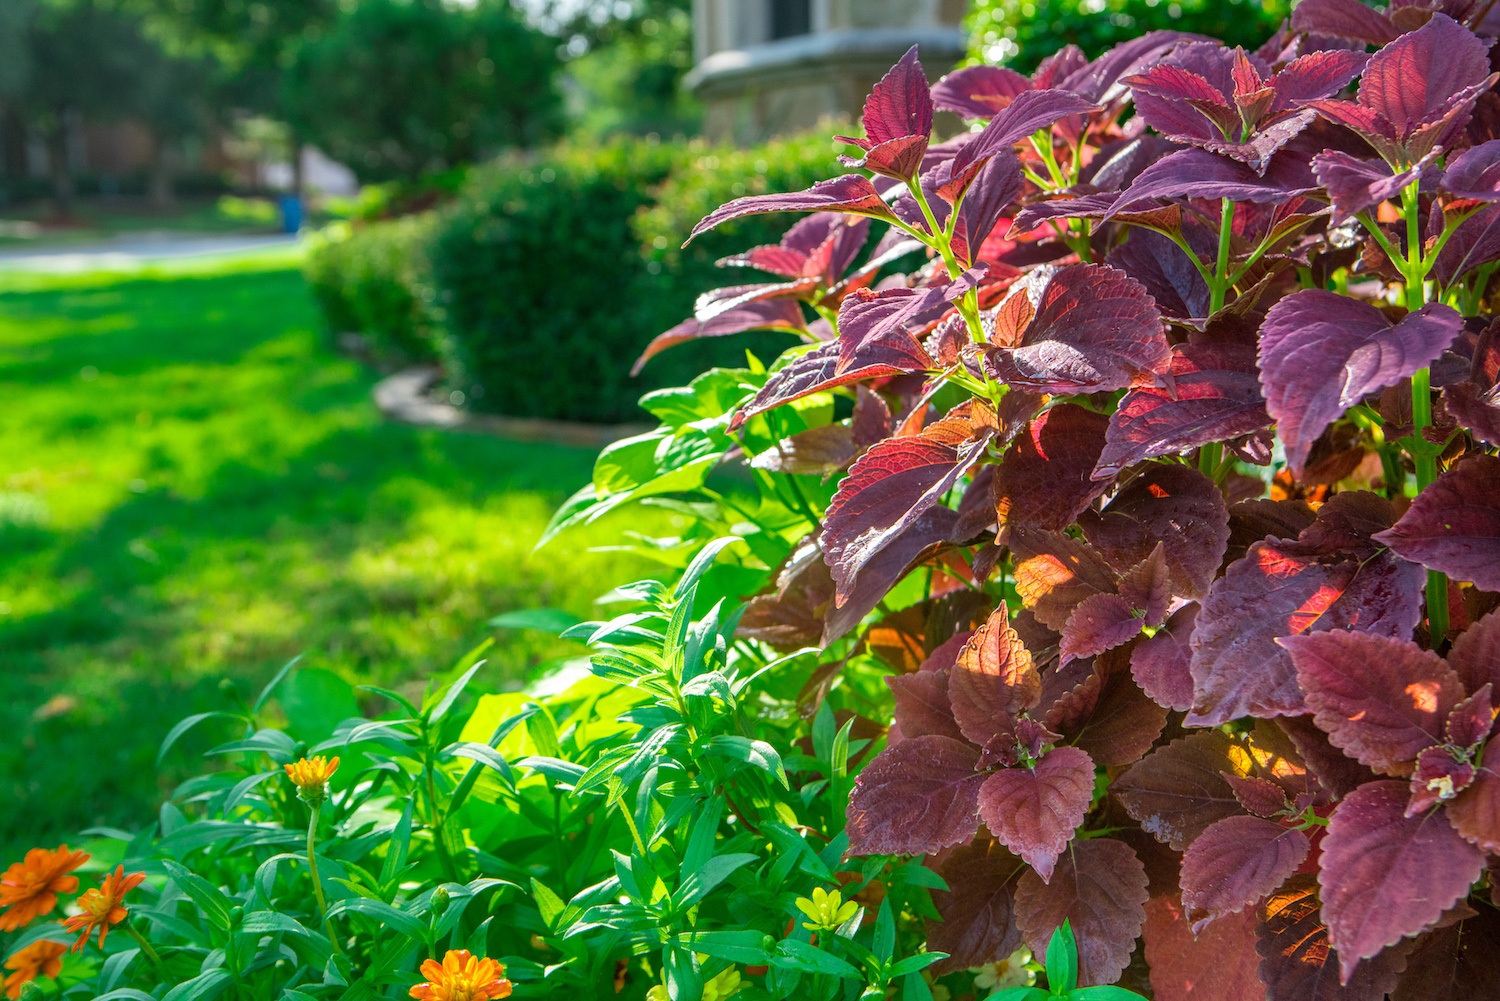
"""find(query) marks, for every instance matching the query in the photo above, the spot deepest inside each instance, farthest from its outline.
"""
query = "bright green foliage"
(1062, 977)
(396, 88)
(371, 280)
(195, 487)
(572, 256)
(1020, 33)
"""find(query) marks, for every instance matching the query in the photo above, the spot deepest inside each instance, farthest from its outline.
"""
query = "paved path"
(134, 250)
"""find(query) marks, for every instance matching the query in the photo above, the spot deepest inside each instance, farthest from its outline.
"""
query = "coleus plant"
(1186, 419)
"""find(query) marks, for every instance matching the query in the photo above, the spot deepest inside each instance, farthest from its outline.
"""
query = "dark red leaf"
(874, 326)
(1198, 173)
(922, 705)
(1161, 665)
(927, 535)
(1166, 271)
(979, 91)
(851, 193)
(1211, 393)
(1381, 700)
(1475, 173)
(1415, 79)
(1099, 886)
(1355, 184)
(1478, 410)
(1175, 506)
(1343, 19)
(1476, 812)
(1324, 580)
(1456, 962)
(1045, 479)
(1147, 586)
(1385, 875)
(1454, 525)
(897, 121)
(1055, 572)
(1472, 719)
(889, 488)
(1026, 113)
(1217, 964)
(819, 451)
(1336, 773)
(1321, 353)
(993, 680)
(767, 314)
(1123, 726)
(1440, 775)
(1236, 863)
(915, 798)
(1298, 964)
(1261, 797)
(978, 921)
(802, 376)
(1100, 622)
(1095, 329)
(1476, 654)
(1177, 791)
(1034, 811)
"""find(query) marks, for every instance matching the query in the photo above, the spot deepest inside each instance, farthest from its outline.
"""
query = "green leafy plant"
(1062, 977)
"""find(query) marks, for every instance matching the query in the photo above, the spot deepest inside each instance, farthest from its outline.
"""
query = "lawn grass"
(194, 488)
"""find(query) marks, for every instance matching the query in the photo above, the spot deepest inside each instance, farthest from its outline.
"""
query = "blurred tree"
(397, 88)
(625, 64)
(15, 70)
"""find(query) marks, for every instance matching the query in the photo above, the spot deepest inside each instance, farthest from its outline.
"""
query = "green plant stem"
(317, 882)
(1423, 454)
(146, 946)
(1219, 287)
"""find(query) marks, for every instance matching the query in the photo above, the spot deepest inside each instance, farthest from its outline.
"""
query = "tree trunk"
(64, 192)
(161, 193)
(13, 163)
(299, 182)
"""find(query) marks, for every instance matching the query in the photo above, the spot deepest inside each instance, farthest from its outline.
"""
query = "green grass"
(193, 488)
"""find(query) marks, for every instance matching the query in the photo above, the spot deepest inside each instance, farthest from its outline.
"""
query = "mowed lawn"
(194, 488)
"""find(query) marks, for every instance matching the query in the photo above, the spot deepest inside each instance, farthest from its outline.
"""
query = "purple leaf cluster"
(1187, 418)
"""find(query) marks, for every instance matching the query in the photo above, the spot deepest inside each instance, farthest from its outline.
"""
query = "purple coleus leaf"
(1321, 353)
(1354, 185)
(1385, 876)
(1474, 243)
(1166, 271)
(890, 487)
(1054, 573)
(1454, 525)
(1176, 792)
(1162, 665)
(924, 538)
(1416, 92)
(1198, 173)
(851, 193)
(1475, 813)
(1046, 478)
(1100, 622)
(915, 798)
(1227, 101)
(1034, 810)
(1380, 699)
(978, 909)
(1475, 173)
(821, 246)
(922, 705)
(874, 326)
(979, 91)
(1100, 888)
(1210, 392)
(1174, 506)
(1344, 19)
(1094, 329)
(897, 121)
(993, 681)
(1236, 863)
(765, 314)
(1298, 964)
(1026, 113)
(1331, 577)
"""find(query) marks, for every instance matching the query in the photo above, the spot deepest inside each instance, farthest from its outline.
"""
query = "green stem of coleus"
(1423, 453)
(941, 240)
(1211, 455)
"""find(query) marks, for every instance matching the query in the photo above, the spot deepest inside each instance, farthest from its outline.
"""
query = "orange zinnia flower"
(39, 959)
(104, 906)
(461, 977)
(30, 887)
(311, 775)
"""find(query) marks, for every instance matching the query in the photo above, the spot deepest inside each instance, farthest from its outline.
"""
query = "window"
(790, 18)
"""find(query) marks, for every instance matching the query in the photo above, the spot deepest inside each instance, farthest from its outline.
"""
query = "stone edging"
(404, 397)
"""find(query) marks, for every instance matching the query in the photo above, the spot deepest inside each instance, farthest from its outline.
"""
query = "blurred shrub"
(371, 280)
(551, 272)
(1021, 33)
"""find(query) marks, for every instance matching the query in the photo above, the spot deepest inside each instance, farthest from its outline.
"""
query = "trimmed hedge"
(552, 274)
(372, 280)
(543, 280)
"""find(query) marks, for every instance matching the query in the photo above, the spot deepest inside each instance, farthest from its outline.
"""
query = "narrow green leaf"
(204, 986)
(273, 684)
(183, 726)
(210, 900)
(1062, 960)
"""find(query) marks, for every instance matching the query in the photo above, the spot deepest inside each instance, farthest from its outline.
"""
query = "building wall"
(754, 86)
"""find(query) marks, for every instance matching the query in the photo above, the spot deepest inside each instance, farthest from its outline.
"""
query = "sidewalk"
(134, 250)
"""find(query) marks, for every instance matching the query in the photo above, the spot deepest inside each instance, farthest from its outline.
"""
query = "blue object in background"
(291, 213)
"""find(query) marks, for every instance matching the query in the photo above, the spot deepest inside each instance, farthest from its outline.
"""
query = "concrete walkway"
(133, 250)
